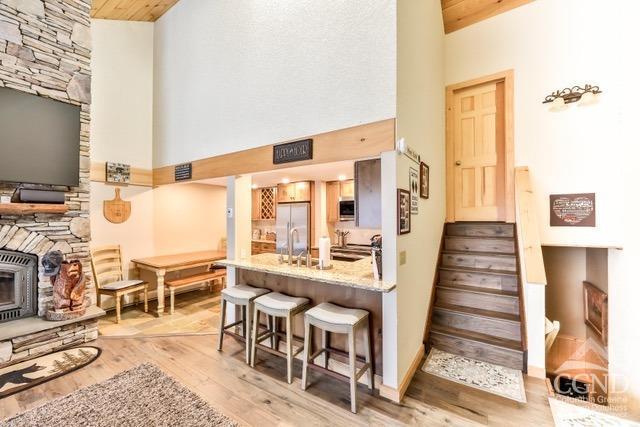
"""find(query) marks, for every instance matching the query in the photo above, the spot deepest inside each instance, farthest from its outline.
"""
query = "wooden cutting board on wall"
(117, 210)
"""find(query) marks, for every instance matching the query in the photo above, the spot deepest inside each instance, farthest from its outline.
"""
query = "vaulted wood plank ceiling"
(458, 14)
(130, 10)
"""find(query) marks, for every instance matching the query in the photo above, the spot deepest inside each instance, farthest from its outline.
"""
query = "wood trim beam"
(140, 177)
(457, 14)
(368, 140)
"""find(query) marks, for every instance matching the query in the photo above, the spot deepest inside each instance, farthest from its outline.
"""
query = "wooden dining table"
(163, 264)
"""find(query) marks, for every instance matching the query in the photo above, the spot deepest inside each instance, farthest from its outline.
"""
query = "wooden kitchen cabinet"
(263, 203)
(294, 192)
(333, 199)
(263, 248)
(347, 191)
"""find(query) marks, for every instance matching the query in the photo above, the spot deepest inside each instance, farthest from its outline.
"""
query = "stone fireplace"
(18, 285)
(45, 50)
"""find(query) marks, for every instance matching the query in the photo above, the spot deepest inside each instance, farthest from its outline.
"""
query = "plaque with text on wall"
(295, 151)
(572, 210)
(182, 172)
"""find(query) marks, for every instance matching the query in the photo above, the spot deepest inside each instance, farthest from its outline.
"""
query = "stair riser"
(500, 303)
(494, 327)
(480, 261)
(479, 351)
(480, 230)
(490, 281)
(500, 246)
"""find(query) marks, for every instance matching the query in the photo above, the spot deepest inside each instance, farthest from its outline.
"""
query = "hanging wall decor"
(118, 173)
(404, 211)
(117, 210)
(572, 210)
(596, 310)
(414, 183)
(424, 180)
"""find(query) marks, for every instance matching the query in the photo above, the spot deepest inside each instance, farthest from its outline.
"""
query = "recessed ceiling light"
(342, 177)
(285, 180)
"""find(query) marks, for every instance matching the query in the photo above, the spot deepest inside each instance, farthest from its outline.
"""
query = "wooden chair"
(106, 263)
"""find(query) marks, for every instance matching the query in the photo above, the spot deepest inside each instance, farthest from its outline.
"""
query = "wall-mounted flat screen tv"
(39, 140)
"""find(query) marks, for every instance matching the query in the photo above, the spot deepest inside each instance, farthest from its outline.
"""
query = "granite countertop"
(356, 274)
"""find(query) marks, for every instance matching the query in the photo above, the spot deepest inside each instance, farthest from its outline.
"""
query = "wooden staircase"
(477, 309)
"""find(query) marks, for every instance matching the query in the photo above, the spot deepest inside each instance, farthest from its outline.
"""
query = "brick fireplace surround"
(45, 50)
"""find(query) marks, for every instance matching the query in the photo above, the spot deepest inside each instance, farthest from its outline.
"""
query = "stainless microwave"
(347, 210)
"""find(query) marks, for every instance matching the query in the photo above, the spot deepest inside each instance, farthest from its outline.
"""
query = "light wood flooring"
(196, 312)
(262, 397)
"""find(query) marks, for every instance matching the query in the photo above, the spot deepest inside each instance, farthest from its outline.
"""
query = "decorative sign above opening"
(183, 172)
(295, 151)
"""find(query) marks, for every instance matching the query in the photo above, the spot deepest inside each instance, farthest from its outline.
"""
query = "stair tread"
(478, 312)
(478, 289)
(479, 270)
(476, 253)
(479, 337)
(501, 238)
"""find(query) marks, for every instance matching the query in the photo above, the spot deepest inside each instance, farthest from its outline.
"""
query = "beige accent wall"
(420, 121)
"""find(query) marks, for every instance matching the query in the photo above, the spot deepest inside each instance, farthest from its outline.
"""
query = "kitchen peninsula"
(349, 284)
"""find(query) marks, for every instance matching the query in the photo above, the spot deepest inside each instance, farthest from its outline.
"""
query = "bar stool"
(277, 305)
(243, 296)
(333, 318)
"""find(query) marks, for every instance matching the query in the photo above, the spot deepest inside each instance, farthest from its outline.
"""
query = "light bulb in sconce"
(401, 146)
(558, 104)
(342, 177)
(588, 98)
(285, 180)
(254, 186)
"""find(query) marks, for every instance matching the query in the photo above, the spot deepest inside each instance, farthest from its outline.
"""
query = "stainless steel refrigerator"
(293, 216)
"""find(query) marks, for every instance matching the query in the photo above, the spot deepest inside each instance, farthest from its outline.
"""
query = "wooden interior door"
(478, 153)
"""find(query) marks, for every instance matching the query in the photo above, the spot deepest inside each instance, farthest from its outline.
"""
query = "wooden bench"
(209, 276)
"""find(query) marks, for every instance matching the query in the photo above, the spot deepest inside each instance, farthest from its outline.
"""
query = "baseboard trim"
(396, 395)
(536, 372)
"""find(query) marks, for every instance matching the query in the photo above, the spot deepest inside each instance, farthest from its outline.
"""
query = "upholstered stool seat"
(243, 296)
(277, 305)
(336, 319)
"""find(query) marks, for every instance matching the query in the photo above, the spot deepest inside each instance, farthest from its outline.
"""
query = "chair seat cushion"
(334, 314)
(121, 284)
(278, 301)
(241, 292)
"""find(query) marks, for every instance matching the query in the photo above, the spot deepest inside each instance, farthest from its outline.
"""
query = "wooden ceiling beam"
(458, 14)
(131, 10)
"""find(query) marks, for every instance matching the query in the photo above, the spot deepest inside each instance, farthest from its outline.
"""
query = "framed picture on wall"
(596, 310)
(414, 183)
(404, 212)
(424, 180)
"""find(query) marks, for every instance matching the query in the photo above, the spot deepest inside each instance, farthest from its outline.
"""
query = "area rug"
(484, 376)
(141, 396)
(24, 375)
(567, 415)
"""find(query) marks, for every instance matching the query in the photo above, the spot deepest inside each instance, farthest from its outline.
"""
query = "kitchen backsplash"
(360, 236)
(264, 227)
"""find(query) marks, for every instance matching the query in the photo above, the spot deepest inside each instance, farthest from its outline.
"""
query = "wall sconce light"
(558, 99)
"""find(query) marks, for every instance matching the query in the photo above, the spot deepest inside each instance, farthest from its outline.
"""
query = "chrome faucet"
(290, 243)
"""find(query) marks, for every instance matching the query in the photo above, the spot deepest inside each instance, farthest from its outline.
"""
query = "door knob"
(458, 162)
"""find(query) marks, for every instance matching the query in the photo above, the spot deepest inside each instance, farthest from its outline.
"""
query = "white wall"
(420, 121)
(233, 75)
(553, 44)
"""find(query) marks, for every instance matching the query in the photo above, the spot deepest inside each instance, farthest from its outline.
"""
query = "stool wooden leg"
(248, 322)
(325, 345)
(367, 349)
(305, 353)
(254, 336)
(289, 350)
(223, 312)
(146, 299)
(352, 369)
(274, 329)
(118, 297)
(173, 300)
